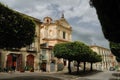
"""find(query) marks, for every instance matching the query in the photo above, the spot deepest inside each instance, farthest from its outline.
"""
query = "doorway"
(30, 61)
(43, 65)
(14, 61)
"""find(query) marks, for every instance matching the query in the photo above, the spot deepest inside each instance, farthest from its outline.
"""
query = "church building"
(51, 33)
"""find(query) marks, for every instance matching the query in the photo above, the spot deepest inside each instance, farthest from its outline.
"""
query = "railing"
(33, 49)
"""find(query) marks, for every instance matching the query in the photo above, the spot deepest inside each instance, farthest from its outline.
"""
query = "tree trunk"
(91, 68)
(78, 64)
(69, 67)
(84, 66)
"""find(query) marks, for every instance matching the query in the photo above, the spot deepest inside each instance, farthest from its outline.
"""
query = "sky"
(82, 18)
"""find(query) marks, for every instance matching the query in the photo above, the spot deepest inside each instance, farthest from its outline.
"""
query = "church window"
(64, 35)
(44, 56)
(47, 21)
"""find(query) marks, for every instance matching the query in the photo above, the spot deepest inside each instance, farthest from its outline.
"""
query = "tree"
(115, 48)
(81, 53)
(85, 57)
(118, 59)
(94, 57)
(77, 51)
(77, 47)
(64, 50)
(16, 30)
(108, 12)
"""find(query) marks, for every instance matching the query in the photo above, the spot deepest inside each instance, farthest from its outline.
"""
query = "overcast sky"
(82, 18)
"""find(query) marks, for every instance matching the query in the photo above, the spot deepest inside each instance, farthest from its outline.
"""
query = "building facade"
(108, 59)
(25, 57)
(51, 33)
(39, 54)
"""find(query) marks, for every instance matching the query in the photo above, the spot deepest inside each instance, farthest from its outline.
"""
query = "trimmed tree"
(77, 51)
(81, 53)
(94, 58)
(77, 47)
(16, 30)
(64, 50)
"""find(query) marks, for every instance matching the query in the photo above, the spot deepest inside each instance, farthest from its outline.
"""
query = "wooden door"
(9, 61)
(30, 61)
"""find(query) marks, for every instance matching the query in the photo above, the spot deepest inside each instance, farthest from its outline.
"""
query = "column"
(48, 66)
(55, 65)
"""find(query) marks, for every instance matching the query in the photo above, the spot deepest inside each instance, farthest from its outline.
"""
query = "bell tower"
(47, 20)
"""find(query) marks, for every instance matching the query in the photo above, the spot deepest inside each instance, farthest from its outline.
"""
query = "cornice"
(63, 40)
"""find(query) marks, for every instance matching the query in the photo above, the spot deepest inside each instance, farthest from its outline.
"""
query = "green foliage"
(118, 59)
(77, 51)
(63, 50)
(16, 30)
(81, 51)
(94, 57)
(115, 48)
(59, 50)
(108, 12)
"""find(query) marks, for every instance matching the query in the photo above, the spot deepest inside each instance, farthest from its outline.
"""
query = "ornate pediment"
(63, 22)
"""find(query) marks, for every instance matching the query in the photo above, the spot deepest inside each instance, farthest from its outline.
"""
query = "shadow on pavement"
(116, 76)
(83, 74)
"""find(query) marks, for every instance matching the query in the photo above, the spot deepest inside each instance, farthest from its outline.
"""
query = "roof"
(98, 47)
(63, 22)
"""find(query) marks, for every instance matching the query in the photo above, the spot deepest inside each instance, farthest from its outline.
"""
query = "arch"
(14, 61)
(52, 67)
(43, 65)
(30, 61)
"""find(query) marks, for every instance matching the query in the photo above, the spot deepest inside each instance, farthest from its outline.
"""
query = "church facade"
(51, 33)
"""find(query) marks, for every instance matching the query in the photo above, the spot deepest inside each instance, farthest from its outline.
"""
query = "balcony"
(32, 49)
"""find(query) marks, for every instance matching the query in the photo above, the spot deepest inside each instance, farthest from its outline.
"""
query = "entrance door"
(30, 61)
(9, 61)
(43, 65)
